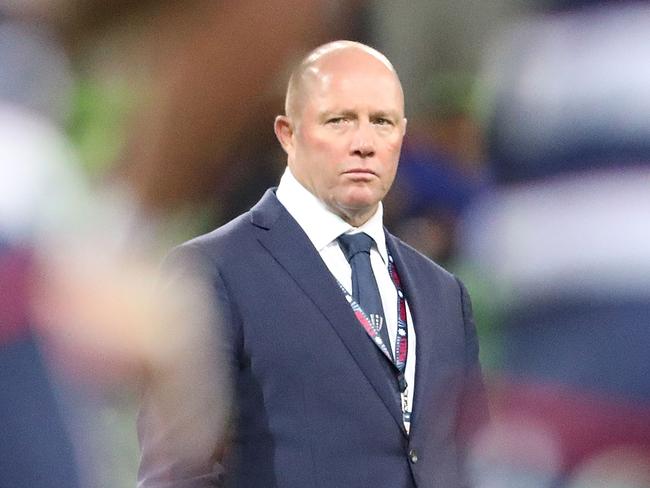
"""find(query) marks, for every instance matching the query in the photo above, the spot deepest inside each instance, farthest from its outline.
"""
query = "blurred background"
(128, 127)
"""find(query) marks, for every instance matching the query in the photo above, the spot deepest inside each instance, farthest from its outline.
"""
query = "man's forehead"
(336, 64)
(348, 86)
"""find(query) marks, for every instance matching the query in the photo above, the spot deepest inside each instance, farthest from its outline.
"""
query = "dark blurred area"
(127, 127)
(442, 168)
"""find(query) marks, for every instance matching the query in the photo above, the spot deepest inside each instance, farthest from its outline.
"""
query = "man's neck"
(321, 223)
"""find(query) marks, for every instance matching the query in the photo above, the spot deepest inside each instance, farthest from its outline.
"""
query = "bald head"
(319, 63)
(343, 127)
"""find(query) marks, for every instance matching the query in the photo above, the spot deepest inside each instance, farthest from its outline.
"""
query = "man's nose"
(363, 141)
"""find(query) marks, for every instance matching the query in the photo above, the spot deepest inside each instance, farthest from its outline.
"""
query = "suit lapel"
(291, 248)
(424, 303)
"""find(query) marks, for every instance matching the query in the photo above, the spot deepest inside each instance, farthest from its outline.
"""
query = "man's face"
(347, 134)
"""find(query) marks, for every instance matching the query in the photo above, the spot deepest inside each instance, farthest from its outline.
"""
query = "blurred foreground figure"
(565, 240)
(36, 449)
(81, 320)
(321, 310)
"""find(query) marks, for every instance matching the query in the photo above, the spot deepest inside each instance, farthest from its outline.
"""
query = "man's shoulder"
(211, 254)
(238, 234)
(227, 237)
(416, 259)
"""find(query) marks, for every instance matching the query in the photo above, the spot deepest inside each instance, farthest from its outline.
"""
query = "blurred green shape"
(97, 125)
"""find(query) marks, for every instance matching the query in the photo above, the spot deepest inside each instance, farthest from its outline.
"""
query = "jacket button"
(413, 456)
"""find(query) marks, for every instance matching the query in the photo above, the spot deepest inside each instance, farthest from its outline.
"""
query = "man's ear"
(284, 132)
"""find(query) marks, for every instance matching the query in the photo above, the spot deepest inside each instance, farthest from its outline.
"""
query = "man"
(323, 396)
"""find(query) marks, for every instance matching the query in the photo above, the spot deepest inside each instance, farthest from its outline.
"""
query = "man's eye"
(382, 121)
(335, 120)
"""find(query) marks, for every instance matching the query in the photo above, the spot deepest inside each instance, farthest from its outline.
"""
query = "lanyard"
(401, 339)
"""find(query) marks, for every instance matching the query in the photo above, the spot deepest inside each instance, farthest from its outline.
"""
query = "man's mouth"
(360, 172)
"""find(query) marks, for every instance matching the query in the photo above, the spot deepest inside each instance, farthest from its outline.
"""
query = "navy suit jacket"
(316, 403)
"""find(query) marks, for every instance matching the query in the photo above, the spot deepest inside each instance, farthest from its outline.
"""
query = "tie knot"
(352, 244)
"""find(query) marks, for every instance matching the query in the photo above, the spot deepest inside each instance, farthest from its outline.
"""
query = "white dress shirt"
(323, 227)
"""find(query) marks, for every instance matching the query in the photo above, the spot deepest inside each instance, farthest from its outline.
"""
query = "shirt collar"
(321, 225)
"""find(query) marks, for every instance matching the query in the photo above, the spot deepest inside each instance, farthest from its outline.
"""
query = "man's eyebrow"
(339, 113)
(393, 114)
